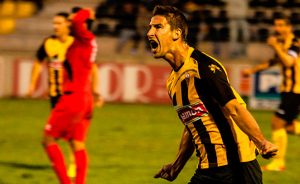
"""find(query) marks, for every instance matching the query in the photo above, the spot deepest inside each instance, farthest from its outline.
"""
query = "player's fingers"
(165, 176)
(273, 150)
(270, 154)
(273, 153)
(164, 173)
(159, 174)
(270, 149)
(267, 156)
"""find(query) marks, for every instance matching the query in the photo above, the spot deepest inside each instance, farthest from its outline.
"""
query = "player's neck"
(177, 55)
(63, 38)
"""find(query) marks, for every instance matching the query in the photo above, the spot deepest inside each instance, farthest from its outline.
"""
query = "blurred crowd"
(237, 22)
(11, 10)
(39, 4)
(132, 17)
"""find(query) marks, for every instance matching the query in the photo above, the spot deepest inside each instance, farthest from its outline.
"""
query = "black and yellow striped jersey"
(199, 89)
(290, 75)
(54, 51)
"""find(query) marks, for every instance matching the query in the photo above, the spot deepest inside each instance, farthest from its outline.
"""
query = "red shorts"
(71, 117)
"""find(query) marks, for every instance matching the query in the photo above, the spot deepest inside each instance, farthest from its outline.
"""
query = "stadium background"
(136, 131)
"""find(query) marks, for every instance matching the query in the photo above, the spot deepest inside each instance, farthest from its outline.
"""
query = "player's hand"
(246, 72)
(92, 13)
(98, 100)
(30, 92)
(268, 150)
(168, 172)
(272, 41)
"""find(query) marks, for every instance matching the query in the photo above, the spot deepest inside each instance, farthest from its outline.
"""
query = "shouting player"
(216, 122)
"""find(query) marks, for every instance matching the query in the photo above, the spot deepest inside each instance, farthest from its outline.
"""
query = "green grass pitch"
(127, 144)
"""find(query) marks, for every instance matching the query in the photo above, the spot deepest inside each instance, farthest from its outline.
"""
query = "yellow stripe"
(221, 154)
(297, 77)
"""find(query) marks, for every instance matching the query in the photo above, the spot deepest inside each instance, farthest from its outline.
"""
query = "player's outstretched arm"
(186, 149)
(257, 68)
(36, 70)
(248, 124)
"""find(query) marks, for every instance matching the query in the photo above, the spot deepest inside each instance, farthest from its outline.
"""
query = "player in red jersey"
(71, 116)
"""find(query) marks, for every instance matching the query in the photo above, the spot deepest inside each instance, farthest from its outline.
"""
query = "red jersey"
(80, 56)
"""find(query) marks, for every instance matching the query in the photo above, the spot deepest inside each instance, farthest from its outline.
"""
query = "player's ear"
(69, 23)
(177, 34)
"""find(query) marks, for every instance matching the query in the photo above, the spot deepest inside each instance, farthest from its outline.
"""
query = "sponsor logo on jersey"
(213, 68)
(55, 65)
(191, 113)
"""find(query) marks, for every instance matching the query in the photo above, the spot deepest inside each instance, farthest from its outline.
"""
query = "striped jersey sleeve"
(215, 77)
(295, 48)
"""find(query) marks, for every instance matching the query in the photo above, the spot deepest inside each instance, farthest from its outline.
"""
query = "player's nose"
(150, 33)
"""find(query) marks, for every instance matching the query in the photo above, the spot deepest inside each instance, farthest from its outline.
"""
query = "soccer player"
(217, 124)
(286, 47)
(71, 116)
(53, 51)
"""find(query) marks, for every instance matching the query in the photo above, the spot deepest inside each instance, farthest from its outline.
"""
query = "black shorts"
(54, 100)
(246, 173)
(288, 109)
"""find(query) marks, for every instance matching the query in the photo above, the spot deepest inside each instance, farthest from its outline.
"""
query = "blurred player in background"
(53, 51)
(71, 116)
(217, 124)
(286, 48)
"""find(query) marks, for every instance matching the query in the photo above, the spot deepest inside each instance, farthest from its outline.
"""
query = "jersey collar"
(190, 51)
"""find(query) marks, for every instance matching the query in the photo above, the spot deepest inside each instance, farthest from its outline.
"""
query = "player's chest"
(177, 82)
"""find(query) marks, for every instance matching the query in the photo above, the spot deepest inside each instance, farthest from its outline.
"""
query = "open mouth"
(153, 44)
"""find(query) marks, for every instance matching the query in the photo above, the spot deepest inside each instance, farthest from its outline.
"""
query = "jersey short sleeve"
(275, 60)
(41, 53)
(217, 83)
(221, 90)
(295, 48)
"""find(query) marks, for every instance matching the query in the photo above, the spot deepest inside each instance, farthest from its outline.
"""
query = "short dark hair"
(76, 9)
(63, 14)
(175, 18)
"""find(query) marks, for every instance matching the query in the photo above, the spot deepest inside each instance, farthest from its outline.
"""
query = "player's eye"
(158, 26)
